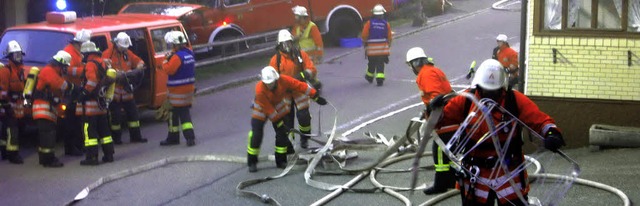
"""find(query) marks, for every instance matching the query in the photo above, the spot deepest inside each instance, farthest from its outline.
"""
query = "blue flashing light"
(61, 4)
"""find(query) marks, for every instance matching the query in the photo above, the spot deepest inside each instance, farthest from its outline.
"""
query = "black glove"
(437, 102)
(553, 140)
(306, 75)
(320, 100)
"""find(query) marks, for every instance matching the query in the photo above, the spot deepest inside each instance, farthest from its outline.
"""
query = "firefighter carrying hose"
(289, 61)
(180, 66)
(307, 34)
(490, 82)
(50, 88)
(376, 34)
(72, 124)
(272, 102)
(131, 68)
(11, 86)
(92, 105)
(432, 82)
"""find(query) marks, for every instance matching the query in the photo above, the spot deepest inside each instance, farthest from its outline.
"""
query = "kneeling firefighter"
(272, 102)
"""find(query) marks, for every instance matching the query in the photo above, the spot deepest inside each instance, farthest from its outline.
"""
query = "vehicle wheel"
(230, 49)
(344, 25)
(433, 7)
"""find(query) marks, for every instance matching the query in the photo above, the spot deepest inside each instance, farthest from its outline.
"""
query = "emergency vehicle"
(40, 41)
(212, 20)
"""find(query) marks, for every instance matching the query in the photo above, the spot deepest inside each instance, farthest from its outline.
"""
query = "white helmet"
(82, 36)
(122, 40)
(378, 10)
(88, 47)
(300, 11)
(415, 53)
(284, 35)
(175, 37)
(501, 37)
(13, 46)
(63, 57)
(490, 75)
(269, 75)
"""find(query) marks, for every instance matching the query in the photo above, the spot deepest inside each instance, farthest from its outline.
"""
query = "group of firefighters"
(92, 88)
(81, 76)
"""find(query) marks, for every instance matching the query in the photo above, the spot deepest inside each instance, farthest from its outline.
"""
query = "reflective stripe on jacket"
(377, 36)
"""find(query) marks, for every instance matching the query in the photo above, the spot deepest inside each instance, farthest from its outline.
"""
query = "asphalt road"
(221, 122)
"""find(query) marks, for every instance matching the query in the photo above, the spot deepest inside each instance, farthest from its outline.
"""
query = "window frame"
(539, 15)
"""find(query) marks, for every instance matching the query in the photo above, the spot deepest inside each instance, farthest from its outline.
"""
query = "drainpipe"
(523, 43)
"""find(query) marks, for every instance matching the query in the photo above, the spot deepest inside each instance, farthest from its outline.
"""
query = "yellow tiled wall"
(587, 67)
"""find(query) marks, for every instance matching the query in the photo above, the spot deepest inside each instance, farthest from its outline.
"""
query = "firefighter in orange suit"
(272, 102)
(432, 82)
(491, 82)
(72, 124)
(180, 66)
(292, 62)
(508, 58)
(307, 34)
(376, 34)
(93, 105)
(11, 87)
(124, 60)
(50, 88)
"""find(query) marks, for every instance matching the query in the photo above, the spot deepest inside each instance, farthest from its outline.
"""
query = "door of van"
(160, 51)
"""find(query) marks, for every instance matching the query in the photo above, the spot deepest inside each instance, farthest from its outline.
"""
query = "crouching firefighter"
(272, 102)
(432, 82)
(93, 101)
(180, 66)
(491, 82)
(290, 61)
(11, 85)
(50, 88)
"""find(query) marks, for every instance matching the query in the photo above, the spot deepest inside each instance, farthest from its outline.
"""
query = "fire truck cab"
(208, 20)
(40, 41)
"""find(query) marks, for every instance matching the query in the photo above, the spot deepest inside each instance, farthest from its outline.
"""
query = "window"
(100, 41)
(587, 17)
(235, 2)
(39, 46)
(157, 35)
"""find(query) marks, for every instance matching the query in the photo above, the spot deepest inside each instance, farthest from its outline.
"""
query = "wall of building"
(590, 82)
(14, 12)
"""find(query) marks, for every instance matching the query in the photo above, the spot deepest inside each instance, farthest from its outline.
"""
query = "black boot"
(252, 162)
(190, 135)
(172, 139)
(281, 160)
(91, 160)
(368, 78)
(136, 136)
(116, 135)
(304, 141)
(108, 151)
(49, 160)
(3, 152)
(14, 157)
(379, 81)
(443, 182)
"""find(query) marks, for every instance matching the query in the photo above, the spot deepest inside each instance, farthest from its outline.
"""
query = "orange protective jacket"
(119, 63)
(507, 57)
(432, 82)
(529, 113)
(379, 48)
(11, 86)
(179, 96)
(76, 64)
(275, 104)
(299, 32)
(50, 83)
(290, 68)
(93, 78)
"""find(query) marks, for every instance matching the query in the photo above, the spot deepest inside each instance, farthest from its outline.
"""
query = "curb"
(242, 81)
